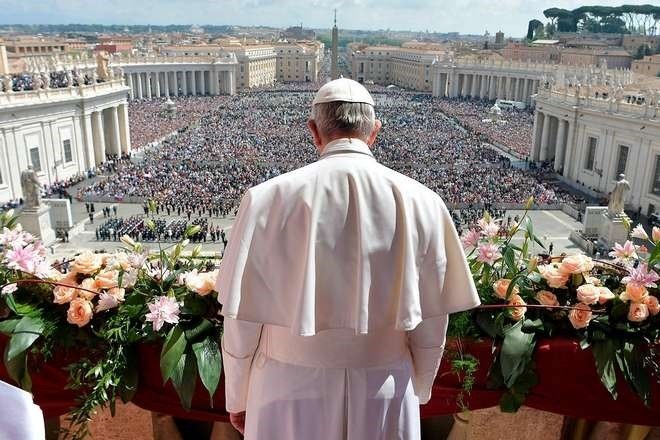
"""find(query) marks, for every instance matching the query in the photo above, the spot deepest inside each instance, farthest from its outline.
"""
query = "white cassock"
(21, 418)
(336, 286)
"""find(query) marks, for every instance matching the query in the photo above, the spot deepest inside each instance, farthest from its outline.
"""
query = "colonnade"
(106, 133)
(552, 140)
(489, 85)
(165, 83)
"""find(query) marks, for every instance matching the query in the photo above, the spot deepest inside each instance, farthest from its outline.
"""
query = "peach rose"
(87, 284)
(553, 276)
(517, 313)
(80, 312)
(86, 263)
(64, 294)
(588, 294)
(576, 264)
(580, 316)
(501, 286)
(592, 280)
(118, 260)
(107, 279)
(634, 293)
(201, 283)
(118, 293)
(638, 312)
(547, 298)
(652, 303)
(605, 295)
(655, 234)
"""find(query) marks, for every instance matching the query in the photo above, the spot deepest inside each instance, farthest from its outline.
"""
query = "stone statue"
(102, 59)
(45, 79)
(69, 79)
(618, 197)
(37, 83)
(7, 83)
(31, 188)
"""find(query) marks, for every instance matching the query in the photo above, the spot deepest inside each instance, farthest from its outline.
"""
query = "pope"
(336, 287)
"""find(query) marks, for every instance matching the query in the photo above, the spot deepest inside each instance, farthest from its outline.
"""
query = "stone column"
(570, 149)
(149, 85)
(193, 83)
(88, 139)
(139, 85)
(473, 89)
(545, 136)
(99, 140)
(560, 146)
(129, 82)
(232, 81)
(202, 82)
(508, 85)
(157, 84)
(184, 86)
(175, 77)
(167, 84)
(115, 135)
(124, 129)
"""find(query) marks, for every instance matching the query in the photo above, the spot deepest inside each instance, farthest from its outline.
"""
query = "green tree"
(532, 27)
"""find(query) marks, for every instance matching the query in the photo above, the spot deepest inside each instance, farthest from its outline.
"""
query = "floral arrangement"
(105, 306)
(610, 306)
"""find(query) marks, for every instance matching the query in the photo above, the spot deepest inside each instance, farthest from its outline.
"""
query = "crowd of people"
(514, 129)
(137, 227)
(236, 142)
(19, 82)
(150, 120)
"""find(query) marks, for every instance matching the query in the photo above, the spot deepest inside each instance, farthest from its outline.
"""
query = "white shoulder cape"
(343, 243)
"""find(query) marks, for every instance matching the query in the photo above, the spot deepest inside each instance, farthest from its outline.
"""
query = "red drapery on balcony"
(568, 384)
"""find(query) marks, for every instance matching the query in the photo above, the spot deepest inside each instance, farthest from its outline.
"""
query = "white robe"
(351, 255)
(21, 418)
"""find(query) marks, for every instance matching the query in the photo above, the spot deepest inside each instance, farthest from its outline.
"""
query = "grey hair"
(344, 117)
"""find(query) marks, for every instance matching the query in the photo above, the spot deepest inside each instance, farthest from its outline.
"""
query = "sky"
(464, 16)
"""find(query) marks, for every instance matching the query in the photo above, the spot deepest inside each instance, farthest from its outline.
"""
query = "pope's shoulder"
(362, 168)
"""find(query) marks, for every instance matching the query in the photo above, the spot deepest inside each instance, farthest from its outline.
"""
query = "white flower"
(639, 232)
(9, 288)
(106, 302)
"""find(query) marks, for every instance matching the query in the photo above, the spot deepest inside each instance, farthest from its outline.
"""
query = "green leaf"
(27, 330)
(17, 369)
(655, 256)
(7, 327)
(604, 352)
(199, 331)
(487, 322)
(530, 326)
(173, 349)
(631, 363)
(17, 308)
(209, 364)
(510, 260)
(516, 353)
(195, 305)
(184, 378)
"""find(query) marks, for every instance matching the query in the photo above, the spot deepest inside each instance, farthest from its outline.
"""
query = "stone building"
(593, 133)
(406, 67)
(649, 66)
(300, 61)
(4, 62)
(61, 132)
(256, 63)
(509, 80)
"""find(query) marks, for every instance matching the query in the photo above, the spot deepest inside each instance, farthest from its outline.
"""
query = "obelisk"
(334, 69)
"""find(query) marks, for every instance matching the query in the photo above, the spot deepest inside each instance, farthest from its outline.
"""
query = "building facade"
(257, 64)
(649, 66)
(298, 61)
(509, 80)
(405, 67)
(60, 132)
(593, 134)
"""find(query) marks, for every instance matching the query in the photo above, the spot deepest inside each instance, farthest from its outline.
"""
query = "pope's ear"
(315, 132)
(374, 133)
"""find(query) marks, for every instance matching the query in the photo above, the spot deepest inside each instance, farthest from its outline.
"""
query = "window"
(656, 177)
(66, 146)
(621, 160)
(591, 154)
(35, 159)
